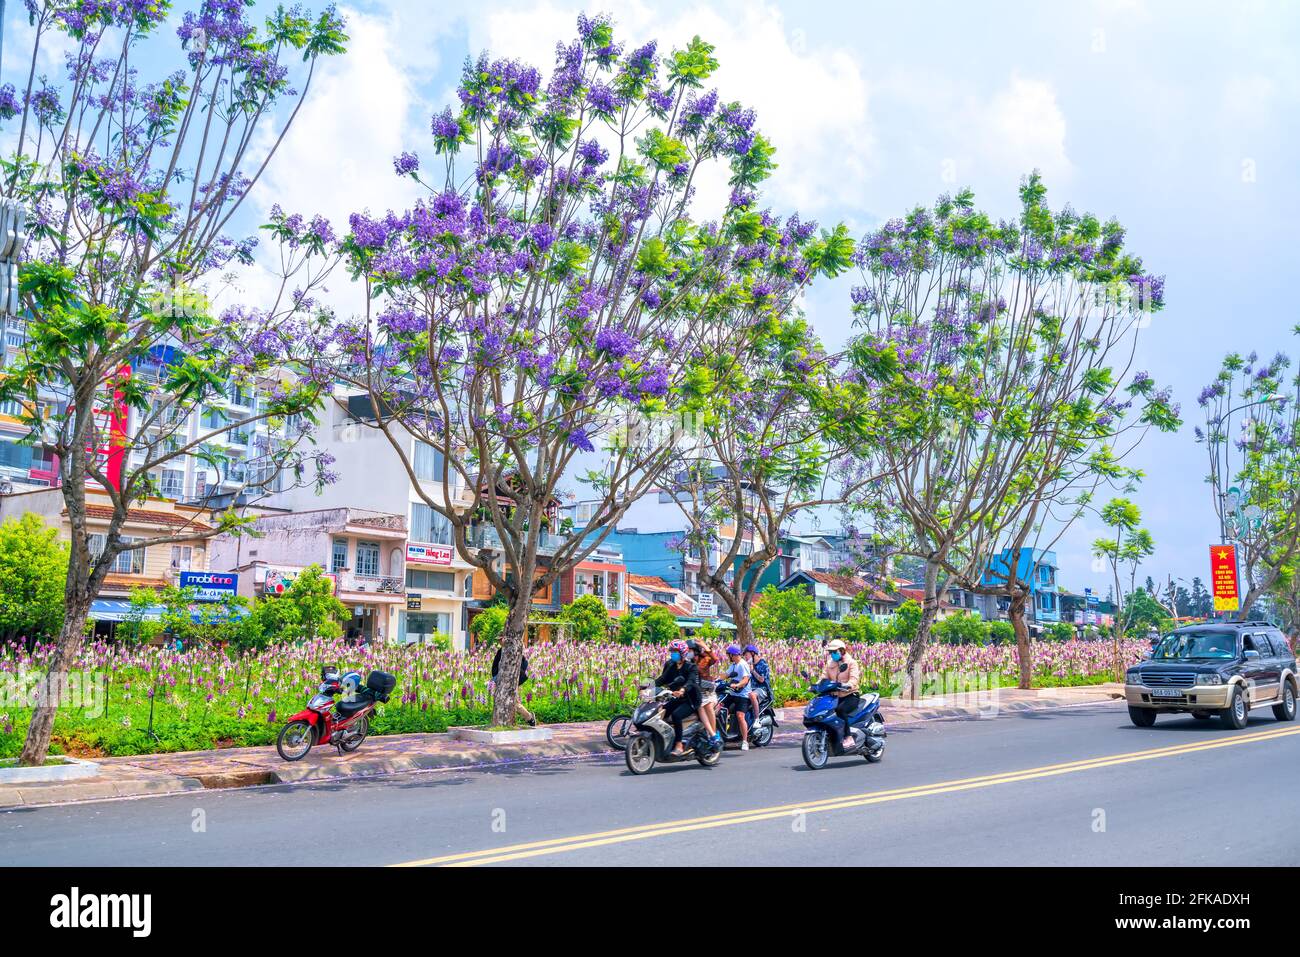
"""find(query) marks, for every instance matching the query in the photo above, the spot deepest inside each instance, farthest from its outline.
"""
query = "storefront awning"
(118, 609)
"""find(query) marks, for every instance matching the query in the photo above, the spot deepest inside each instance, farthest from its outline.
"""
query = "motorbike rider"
(681, 678)
(843, 667)
(705, 661)
(738, 685)
(760, 680)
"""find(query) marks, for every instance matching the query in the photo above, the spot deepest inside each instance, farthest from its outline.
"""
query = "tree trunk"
(512, 653)
(921, 642)
(1024, 652)
(1117, 638)
(37, 745)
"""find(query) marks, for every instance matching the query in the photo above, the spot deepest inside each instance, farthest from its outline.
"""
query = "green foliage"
(658, 625)
(487, 625)
(785, 615)
(1060, 631)
(1001, 632)
(33, 573)
(862, 629)
(587, 617)
(963, 629)
(629, 629)
(306, 611)
(1142, 613)
(907, 619)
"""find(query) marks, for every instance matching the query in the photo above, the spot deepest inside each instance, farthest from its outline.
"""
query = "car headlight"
(1133, 678)
(1209, 679)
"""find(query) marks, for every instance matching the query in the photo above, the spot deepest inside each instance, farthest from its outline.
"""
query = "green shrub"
(963, 629)
(587, 618)
(906, 621)
(488, 624)
(658, 625)
(1001, 632)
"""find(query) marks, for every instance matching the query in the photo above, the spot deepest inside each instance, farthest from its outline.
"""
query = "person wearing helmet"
(738, 678)
(842, 667)
(681, 678)
(760, 680)
(706, 659)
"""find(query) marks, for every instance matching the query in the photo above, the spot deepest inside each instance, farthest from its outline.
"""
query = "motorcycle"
(825, 737)
(652, 738)
(760, 730)
(344, 724)
(619, 728)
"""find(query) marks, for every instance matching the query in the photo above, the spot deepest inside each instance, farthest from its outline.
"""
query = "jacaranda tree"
(789, 436)
(1018, 339)
(132, 187)
(1252, 435)
(560, 290)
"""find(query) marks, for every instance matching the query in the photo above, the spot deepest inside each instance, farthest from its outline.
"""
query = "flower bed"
(207, 698)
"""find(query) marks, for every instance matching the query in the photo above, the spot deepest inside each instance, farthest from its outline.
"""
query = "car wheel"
(1234, 715)
(1142, 717)
(1285, 710)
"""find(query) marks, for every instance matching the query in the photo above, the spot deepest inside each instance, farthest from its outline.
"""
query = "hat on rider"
(752, 649)
(835, 645)
(733, 649)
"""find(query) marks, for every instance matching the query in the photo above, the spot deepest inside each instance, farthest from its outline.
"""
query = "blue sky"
(1177, 118)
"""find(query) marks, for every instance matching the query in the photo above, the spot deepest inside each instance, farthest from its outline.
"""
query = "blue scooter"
(826, 734)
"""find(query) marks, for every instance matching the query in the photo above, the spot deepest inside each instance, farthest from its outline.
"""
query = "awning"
(718, 623)
(119, 609)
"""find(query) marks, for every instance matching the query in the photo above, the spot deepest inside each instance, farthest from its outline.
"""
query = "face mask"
(835, 656)
(675, 656)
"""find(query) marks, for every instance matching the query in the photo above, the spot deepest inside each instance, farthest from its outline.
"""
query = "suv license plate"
(1167, 692)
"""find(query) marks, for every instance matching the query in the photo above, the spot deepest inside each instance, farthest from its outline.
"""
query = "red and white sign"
(1223, 578)
(424, 554)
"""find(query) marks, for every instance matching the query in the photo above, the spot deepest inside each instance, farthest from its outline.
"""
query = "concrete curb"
(71, 769)
(122, 779)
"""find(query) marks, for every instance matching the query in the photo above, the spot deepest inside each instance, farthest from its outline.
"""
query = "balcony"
(382, 587)
(485, 536)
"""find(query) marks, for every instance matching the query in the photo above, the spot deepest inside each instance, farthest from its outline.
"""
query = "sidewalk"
(154, 774)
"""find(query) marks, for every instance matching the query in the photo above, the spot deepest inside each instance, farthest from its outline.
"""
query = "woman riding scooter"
(681, 677)
(843, 667)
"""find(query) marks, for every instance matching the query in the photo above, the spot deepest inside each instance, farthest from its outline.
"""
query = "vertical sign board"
(1223, 577)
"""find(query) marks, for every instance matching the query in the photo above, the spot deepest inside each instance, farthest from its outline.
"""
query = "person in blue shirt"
(738, 686)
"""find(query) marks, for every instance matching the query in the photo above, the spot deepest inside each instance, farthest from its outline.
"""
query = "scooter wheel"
(640, 753)
(295, 740)
(874, 757)
(354, 735)
(816, 750)
(709, 758)
(761, 736)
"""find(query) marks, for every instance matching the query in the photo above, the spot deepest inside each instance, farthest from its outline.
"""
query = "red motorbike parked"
(345, 724)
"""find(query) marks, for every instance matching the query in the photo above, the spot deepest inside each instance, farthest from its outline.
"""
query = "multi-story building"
(438, 587)
(363, 552)
(153, 566)
(1037, 568)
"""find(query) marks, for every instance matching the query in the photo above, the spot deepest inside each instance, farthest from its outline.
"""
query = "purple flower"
(578, 439)
(406, 164)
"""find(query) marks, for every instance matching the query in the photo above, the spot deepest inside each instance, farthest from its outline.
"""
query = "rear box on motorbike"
(381, 683)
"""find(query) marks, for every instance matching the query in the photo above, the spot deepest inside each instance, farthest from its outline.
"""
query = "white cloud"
(1024, 127)
(812, 102)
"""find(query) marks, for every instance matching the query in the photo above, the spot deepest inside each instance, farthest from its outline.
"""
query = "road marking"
(641, 832)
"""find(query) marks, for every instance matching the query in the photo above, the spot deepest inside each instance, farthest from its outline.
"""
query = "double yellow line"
(577, 842)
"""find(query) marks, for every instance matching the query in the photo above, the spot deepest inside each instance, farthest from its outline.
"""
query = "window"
(125, 563)
(181, 555)
(12, 407)
(339, 560)
(368, 559)
(428, 462)
(436, 581)
(419, 626)
(213, 418)
(429, 526)
(173, 483)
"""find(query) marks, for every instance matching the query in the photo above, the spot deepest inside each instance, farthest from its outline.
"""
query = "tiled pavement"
(242, 767)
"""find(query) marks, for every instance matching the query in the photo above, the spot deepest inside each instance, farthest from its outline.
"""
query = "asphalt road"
(1078, 786)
